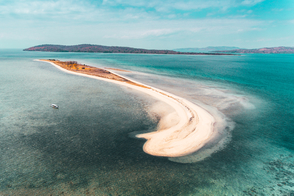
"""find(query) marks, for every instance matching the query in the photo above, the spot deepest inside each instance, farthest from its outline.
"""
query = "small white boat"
(54, 106)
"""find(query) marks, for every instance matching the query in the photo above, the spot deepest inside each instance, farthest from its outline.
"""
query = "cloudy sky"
(153, 24)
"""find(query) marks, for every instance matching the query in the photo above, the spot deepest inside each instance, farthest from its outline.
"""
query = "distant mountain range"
(225, 49)
(107, 49)
(271, 50)
(211, 50)
(207, 49)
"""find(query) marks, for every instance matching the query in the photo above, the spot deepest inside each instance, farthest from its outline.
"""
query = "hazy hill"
(105, 49)
(271, 50)
(207, 49)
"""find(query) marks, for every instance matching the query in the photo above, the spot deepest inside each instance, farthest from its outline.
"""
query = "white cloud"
(69, 10)
(35, 8)
(139, 34)
(137, 23)
(277, 10)
(166, 5)
(72, 7)
(181, 28)
(251, 2)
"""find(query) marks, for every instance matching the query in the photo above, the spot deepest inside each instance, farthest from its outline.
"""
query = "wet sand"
(185, 132)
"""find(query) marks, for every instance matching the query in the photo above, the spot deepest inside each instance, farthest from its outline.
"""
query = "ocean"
(87, 146)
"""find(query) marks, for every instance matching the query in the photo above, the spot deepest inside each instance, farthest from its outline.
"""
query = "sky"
(151, 24)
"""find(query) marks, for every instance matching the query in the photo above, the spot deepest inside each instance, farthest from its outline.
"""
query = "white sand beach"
(193, 128)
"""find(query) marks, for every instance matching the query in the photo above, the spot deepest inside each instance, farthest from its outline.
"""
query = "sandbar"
(194, 127)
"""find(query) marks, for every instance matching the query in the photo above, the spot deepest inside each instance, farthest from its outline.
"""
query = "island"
(271, 50)
(108, 49)
(206, 49)
(189, 128)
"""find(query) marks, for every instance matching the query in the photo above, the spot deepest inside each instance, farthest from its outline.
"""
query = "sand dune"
(194, 127)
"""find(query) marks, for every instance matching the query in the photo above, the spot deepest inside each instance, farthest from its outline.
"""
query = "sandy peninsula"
(193, 127)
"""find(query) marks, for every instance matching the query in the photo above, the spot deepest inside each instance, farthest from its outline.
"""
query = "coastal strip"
(194, 127)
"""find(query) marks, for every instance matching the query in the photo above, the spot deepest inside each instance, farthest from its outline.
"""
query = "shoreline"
(193, 130)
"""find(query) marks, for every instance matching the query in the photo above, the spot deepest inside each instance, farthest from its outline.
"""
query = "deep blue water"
(84, 148)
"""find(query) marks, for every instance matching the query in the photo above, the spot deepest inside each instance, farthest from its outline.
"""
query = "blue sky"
(154, 24)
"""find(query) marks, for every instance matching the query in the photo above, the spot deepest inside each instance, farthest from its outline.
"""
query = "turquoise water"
(85, 148)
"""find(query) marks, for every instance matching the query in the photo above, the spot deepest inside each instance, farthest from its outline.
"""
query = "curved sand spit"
(193, 130)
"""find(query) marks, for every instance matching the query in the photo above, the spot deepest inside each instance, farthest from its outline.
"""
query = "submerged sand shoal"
(192, 131)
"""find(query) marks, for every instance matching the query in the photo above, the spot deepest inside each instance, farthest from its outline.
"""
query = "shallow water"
(85, 148)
